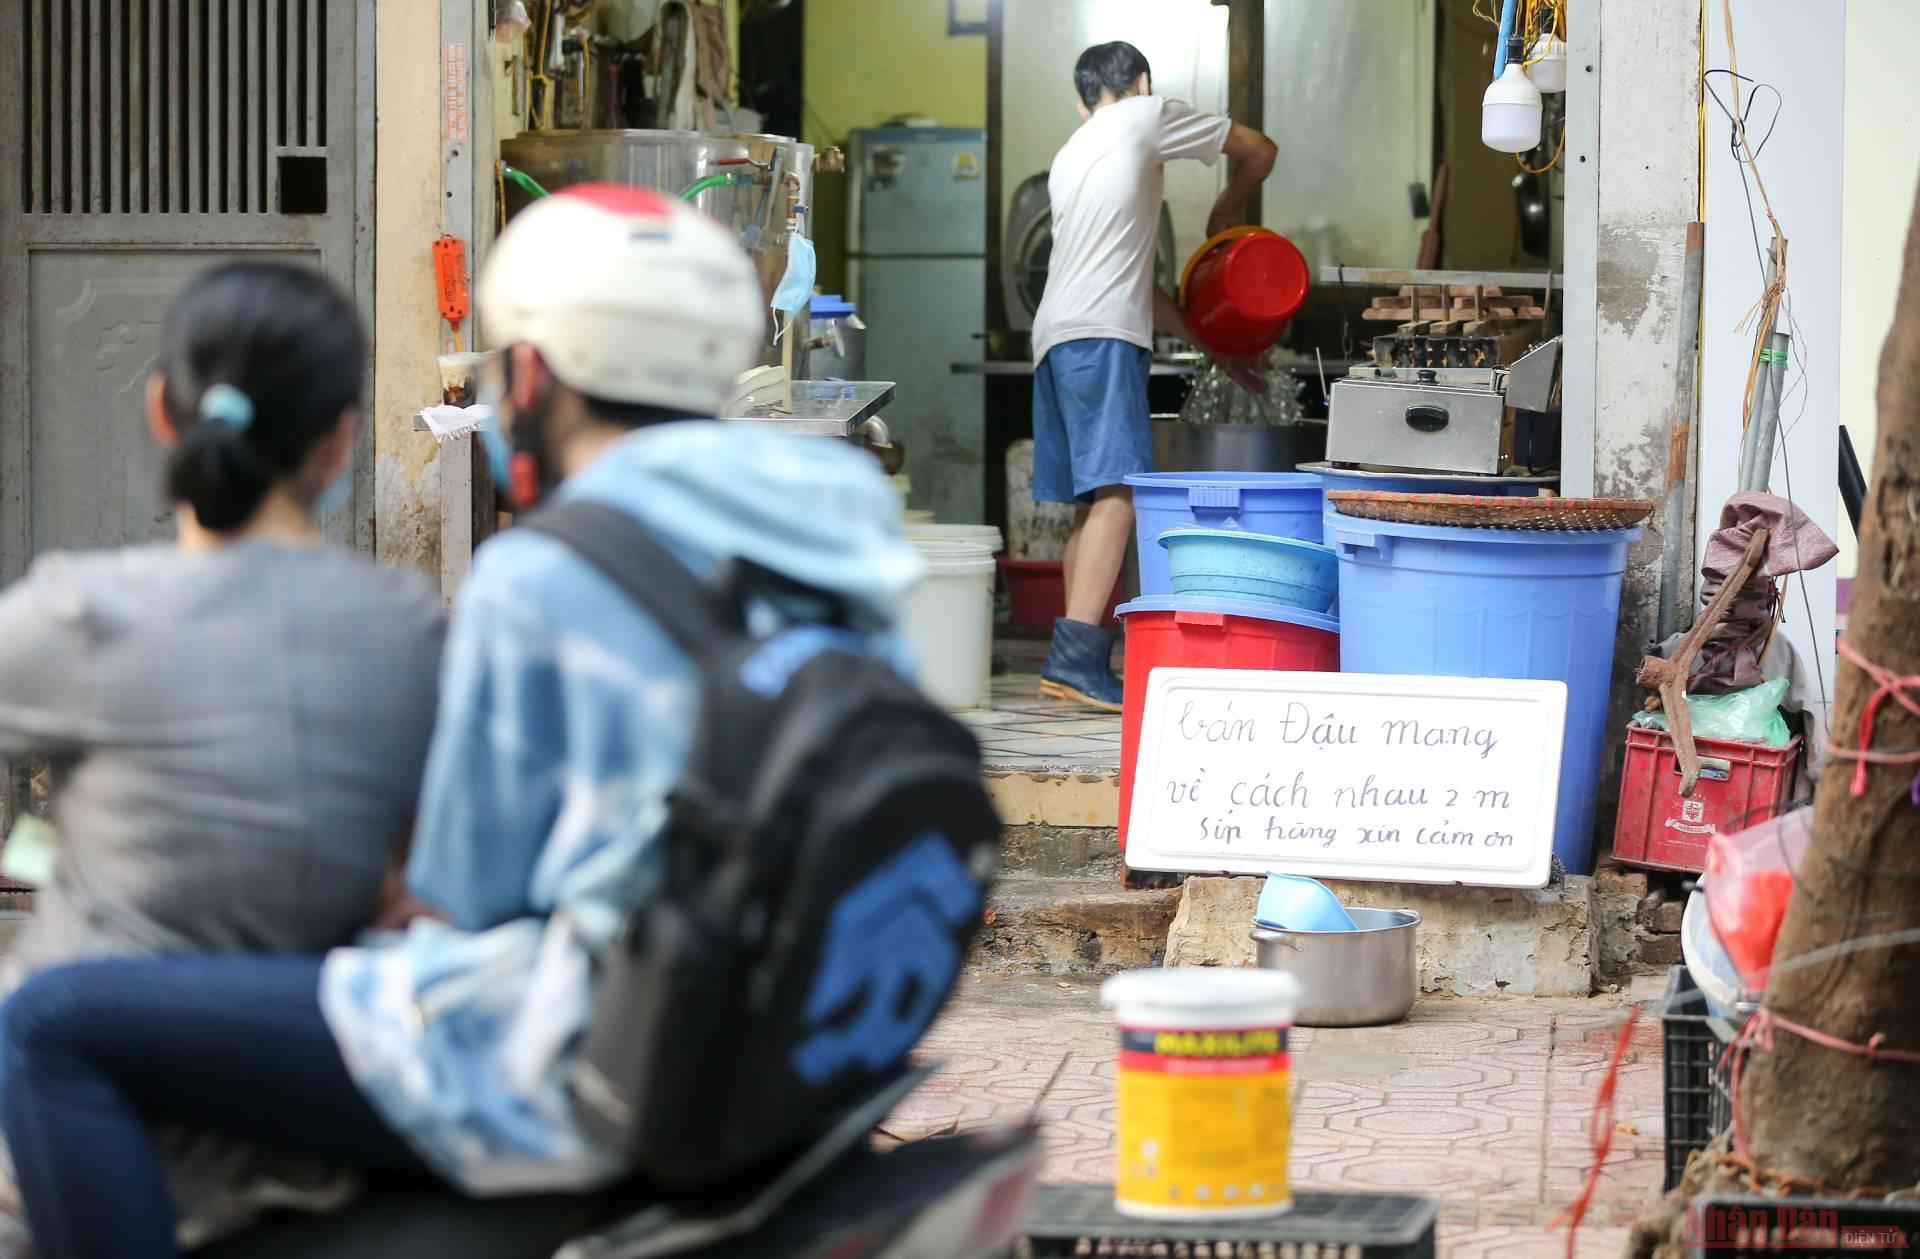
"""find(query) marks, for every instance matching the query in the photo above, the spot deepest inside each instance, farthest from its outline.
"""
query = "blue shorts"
(1091, 426)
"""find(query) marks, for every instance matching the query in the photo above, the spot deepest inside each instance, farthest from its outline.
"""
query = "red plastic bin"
(1203, 633)
(1740, 784)
(1037, 591)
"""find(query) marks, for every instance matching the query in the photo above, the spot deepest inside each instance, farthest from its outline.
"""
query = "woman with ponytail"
(236, 721)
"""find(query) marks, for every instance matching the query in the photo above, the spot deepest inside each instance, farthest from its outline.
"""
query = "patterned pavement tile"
(1531, 1242)
(1482, 1104)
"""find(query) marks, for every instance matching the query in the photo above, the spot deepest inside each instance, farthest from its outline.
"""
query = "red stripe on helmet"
(620, 199)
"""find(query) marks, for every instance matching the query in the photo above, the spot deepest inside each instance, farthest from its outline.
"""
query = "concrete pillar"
(406, 332)
(1633, 185)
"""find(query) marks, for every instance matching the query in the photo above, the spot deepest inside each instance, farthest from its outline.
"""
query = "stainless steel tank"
(778, 172)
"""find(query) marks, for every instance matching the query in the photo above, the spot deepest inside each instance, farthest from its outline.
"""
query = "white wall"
(1882, 164)
(1801, 49)
(1349, 100)
(1184, 40)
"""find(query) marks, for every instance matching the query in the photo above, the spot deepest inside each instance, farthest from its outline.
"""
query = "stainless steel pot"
(1348, 978)
(670, 161)
(1181, 447)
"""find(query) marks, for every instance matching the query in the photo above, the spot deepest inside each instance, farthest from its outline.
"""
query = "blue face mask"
(499, 454)
(337, 495)
(796, 286)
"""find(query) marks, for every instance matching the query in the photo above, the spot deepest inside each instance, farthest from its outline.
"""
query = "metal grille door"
(151, 138)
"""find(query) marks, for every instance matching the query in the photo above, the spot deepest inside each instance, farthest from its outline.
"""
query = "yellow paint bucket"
(1203, 1121)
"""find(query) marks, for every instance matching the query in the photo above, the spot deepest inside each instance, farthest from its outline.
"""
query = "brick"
(1665, 917)
(1614, 878)
(1660, 951)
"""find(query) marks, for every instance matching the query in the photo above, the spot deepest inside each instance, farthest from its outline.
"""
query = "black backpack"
(826, 859)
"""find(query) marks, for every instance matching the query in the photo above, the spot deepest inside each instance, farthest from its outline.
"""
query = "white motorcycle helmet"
(629, 297)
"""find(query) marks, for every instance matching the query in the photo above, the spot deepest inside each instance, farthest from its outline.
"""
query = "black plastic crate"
(1698, 1087)
(1081, 1220)
(1809, 1228)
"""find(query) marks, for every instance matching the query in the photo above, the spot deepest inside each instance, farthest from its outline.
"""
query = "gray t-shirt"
(237, 738)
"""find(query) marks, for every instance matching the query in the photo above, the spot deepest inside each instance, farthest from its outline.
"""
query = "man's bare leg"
(1080, 512)
(1104, 536)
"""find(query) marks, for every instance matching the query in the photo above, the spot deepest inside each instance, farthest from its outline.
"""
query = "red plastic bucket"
(1198, 635)
(1037, 591)
(1241, 288)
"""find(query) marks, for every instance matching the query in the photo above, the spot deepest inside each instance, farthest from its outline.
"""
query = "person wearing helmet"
(565, 720)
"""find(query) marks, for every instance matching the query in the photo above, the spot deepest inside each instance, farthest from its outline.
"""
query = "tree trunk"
(1840, 1121)
(1813, 1112)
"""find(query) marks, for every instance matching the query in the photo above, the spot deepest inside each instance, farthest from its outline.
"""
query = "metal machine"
(1481, 420)
(761, 186)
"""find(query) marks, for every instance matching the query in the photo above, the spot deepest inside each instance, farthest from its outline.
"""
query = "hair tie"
(227, 405)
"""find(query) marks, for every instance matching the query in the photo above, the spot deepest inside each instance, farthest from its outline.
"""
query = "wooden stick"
(1670, 676)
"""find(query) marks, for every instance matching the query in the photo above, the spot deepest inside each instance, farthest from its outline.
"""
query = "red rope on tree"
(1890, 683)
(1600, 1130)
(1759, 1031)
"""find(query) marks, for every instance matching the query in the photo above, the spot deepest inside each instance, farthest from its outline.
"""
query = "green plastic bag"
(1749, 716)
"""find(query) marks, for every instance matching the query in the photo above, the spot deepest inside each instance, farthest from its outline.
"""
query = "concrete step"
(1062, 926)
(1471, 942)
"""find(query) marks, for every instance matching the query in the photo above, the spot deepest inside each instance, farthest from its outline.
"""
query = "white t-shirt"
(1106, 186)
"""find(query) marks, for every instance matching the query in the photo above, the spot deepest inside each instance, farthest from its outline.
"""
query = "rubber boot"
(1079, 665)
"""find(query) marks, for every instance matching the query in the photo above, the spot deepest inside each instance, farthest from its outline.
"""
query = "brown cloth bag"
(1730, 658)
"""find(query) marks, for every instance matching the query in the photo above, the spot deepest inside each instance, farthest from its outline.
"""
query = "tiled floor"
(1025, 729)
(1483, 1104)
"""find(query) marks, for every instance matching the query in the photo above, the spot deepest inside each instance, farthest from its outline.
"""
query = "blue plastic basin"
(1493, 603)
(1293, 902)
(1231, 564)
(1279, 504)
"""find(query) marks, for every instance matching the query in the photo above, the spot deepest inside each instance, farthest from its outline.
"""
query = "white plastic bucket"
(948, 622)
(1203, 1120)
(985, 535)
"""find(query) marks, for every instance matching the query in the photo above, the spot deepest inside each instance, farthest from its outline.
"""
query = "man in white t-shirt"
(1093, 333)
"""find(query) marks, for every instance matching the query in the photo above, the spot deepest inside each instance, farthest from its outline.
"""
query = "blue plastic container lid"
(1232, 607)
(1245, 480)
(831, 306)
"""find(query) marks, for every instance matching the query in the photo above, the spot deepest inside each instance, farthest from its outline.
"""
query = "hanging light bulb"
(1510, 112)
(1548, 68)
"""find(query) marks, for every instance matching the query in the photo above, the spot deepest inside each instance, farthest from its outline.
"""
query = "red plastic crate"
(1037, 591)
(1206, 640)
(1740, 784)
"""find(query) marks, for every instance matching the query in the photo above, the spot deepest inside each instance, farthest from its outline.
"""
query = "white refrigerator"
(917, 267)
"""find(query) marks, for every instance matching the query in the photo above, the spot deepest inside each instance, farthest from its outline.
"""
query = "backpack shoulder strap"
(691, 612)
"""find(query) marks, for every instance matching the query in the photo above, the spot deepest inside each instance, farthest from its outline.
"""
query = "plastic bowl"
(1293, 902)
(1230, 563)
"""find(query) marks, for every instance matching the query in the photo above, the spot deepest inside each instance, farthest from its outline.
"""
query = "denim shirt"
(565, 720)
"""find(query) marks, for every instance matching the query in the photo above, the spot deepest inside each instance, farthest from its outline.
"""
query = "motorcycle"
(958, 1197)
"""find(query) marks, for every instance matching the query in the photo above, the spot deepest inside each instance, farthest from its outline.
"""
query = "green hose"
(699, 186)
(523, 179)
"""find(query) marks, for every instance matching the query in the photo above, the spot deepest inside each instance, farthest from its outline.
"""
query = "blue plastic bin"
(1283, 504)
(1493, 603)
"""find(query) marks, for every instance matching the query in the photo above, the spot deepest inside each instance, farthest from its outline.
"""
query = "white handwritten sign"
(1348, 775)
